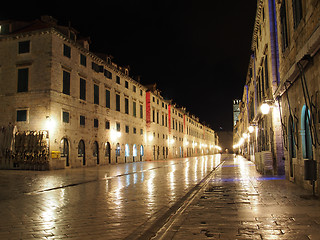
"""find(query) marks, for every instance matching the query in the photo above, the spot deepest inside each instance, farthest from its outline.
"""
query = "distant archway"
(82, 152)
(134, 151)
(126, 151)
(117, 151)
(141, 152)
(96, 151)
(108, 152)
(64, 150)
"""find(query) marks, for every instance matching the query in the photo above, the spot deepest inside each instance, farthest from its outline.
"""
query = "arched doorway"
(117, 151)
(134, 152)
(306, 133)
(164, 152)
(64, 150)
(167, 152)
(108, 152)
(96, 152)
(141, 152)
(181, 152)
(158, 152)
(126, 152)
(82, 152)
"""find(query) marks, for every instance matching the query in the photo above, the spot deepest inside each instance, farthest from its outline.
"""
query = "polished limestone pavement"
(104, 202)
(239, 203)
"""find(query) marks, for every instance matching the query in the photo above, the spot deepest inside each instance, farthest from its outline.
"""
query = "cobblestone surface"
(105, 202)
(239, 203)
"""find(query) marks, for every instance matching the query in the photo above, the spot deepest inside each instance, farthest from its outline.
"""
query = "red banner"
(148, 109)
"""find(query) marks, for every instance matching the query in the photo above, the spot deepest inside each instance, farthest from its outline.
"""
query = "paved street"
(106, 202)
(239, 203)
(188, 197)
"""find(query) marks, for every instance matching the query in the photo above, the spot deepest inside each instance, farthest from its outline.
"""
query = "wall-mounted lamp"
(50, 124)
(265, 108)
(251, 129)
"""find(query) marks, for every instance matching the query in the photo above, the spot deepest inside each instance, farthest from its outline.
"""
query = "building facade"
(298, 92)
(281, 98)
(64, 106)
(261, 133)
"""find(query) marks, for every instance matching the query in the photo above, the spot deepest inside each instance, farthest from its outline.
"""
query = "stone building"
(261, 131)
(283, 77)
(84, 108)
(298, 91)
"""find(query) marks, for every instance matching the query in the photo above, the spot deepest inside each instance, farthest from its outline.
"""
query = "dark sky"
(196, 51)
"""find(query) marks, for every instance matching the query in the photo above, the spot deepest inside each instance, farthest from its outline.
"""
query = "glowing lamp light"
(251, 129)
(172, 141)
(114, 135)
(265, 108)
(50, 124)
(150, 138)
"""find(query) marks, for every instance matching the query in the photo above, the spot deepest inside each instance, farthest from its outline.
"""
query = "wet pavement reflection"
(107, 202)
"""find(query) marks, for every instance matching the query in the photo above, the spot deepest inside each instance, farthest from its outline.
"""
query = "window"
(83, 60)
(82, 120)
(66, 83)
(141, 111)
(65, 117)
(297, 12)
(66, 51)
(157, 117)
(107, 98)
(140, 92)
(97, 68)
(118, 79)
(22, 115)
(134, 130)
(141, 131)
(134, 109)
(107, 74)
(23, 78)
(96, 94)
(118, 127)
(24, 47)
(82, 89)
(118, 102)
(107, 124)
(95, 123)
(134, 88)
(284, 26)
(126, 104)
(153, 116)
(126, 84)
(127, 129)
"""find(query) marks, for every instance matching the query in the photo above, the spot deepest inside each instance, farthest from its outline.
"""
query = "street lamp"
(251, 129)
(265, 108)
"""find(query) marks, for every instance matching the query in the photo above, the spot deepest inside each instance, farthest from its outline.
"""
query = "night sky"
(196, 51)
